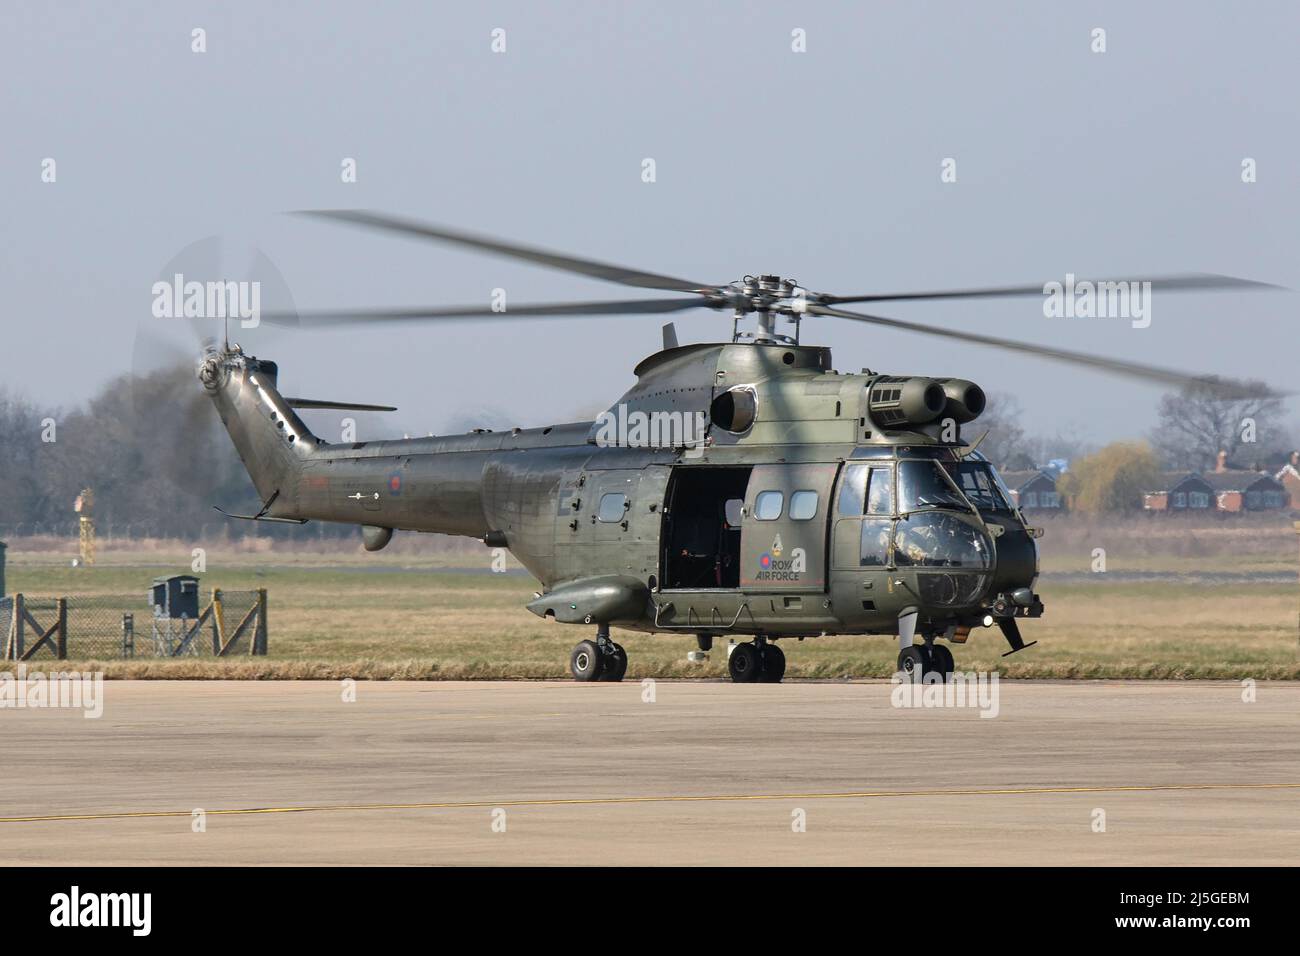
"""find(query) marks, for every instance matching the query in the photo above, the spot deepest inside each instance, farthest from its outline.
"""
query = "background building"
(1033, 490)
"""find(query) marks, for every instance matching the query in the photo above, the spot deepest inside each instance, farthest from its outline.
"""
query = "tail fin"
(271, 439)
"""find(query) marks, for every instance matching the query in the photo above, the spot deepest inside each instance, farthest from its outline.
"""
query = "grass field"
(407, 614)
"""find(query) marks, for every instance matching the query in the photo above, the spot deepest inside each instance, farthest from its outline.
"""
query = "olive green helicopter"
(739, 489)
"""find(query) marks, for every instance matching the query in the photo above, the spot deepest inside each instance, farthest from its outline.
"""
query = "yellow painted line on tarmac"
(614, 801)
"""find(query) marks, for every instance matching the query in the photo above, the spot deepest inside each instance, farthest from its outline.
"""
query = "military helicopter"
(741, 488)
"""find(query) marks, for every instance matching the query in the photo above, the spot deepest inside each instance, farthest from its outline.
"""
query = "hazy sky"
(823, 166)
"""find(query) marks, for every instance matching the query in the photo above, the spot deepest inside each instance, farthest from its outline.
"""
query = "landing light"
(988, 620)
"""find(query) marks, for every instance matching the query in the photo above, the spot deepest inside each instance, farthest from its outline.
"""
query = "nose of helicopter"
(1016, 555)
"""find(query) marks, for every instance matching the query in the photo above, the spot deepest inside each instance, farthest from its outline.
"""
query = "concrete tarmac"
(798, 773)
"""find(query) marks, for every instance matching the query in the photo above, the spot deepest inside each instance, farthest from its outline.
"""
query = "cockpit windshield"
(923, 485)
(979, 483)
(939, 540)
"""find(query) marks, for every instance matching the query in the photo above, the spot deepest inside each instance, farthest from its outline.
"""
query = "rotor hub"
(769, 296)
(763, 293)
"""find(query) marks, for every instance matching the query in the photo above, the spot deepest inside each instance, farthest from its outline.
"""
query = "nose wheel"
(920, 660)
(941, 659)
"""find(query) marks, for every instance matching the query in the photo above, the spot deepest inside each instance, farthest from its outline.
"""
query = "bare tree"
(1195, 424)
(1005, 444)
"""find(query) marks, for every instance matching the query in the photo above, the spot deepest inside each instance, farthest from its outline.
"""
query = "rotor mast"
(768, 296)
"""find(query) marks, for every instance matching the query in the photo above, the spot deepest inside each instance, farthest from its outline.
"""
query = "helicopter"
(739, 489)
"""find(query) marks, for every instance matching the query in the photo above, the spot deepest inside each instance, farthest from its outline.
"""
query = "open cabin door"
(701, 528)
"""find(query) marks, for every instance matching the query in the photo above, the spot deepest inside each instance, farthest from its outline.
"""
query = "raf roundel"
(395, 484)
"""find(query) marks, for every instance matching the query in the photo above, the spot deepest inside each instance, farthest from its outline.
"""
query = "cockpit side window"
(880, 491)
(979, 483)
(853, 485)
(924, 484)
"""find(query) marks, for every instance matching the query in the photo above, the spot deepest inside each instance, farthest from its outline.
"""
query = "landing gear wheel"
(615, 664)
(941, 660)
(912, 663)
(773, 664)
(745, 664)
(587, 662)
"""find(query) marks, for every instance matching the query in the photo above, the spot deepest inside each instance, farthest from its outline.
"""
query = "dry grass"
(1148, 542)
(410, 616)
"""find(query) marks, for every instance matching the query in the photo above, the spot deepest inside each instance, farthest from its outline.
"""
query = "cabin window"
(1252, 499)
(803, 505)
(1049, 499)
(1272, 499)
(1029, 499)
(768, 505)
(1180, 499)
(1198, 499)
(612, 507)
(734, 511)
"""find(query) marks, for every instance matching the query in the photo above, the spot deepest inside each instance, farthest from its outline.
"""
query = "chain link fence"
(124, 626)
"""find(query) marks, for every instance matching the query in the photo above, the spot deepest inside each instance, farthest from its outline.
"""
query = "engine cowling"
(901, 401)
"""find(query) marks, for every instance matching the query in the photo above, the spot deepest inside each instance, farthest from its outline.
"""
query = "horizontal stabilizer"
(342, 406)
(260, 517)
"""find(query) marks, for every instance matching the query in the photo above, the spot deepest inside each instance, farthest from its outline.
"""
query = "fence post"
(128, 635)
(1296, 526)
(61, 642)
(9, 634)
(12, 633)
(259, 636)
(20, 615)
(218, 622)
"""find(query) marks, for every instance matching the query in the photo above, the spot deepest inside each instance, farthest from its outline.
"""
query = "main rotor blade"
(542, 257)
(1170, 283)
(1225, 388)
(341, 317)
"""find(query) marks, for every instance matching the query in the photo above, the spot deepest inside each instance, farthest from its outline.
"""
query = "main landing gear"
(757, 662)
(600, 659)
